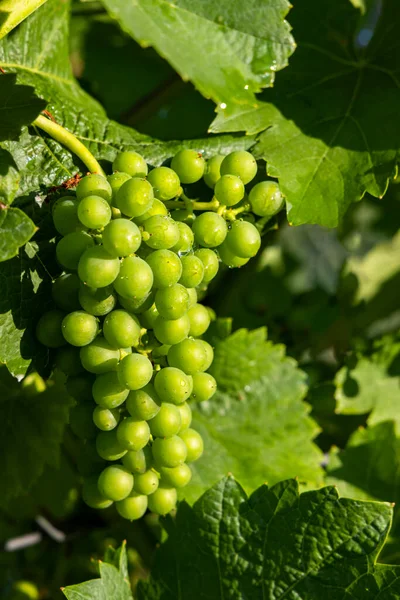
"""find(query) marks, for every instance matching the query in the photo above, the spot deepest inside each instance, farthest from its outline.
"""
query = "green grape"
(188, 165)
(171, 331)
(149, 317)
(210, 229)
(121, 237)
(121, 329)
(243, 239)
(137, 305)
(65, 215)
(199, 318)
(97, 301)
(94, 185)
(186, 238)
(135, 371)
(88, 460)
(240, 163)
(169, 452)
(166, 267)
(192, 271)
(230, 259)
(132, 434)
(81, 422)
(107, 390)
(144, 251)
(172, 302)
(176, 477)
(134, 197)
(94, 212)
(65, 290)
(204, 387)
(138, 461)
(183, 215)
(116, 180)
(133, 507)
(163, 500)
(99, 356)
(210, 263)
(68, 361)
(212, 170)
(23, 590)
(194, 444)
(115, 482)
(108, 447)
(79, 328)
(157, 208)
(97, 268)
(186, 416)
(71, 247)
(192, 296)
(189, 356)
(49, 329)
(130, 162)
(143, 404)
(172, 385)
(165, 182)
(160, 352)
(209, 354)
(80, 386)
(106, 419)
(161, 232)
(135, 278)
(146, 483)
(91, 495)
(266, 199)
(167, 421)
(229, 190)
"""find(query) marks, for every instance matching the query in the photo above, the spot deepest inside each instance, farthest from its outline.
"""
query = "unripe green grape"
(172, 385)
(132, 434)
(209, 354)
(210, 229)
(165, 182)
(167, 421)
(138, 461)
(80, 386)
(108, 447)
(91, 495)
(186, 416)
(194, 444)
(266, 199)
(162, 232)
(94, 212)
(97, 301)
(199, 318)
(192, 271)
(183, 215)
(108, 392)
(134, 197)
(176, 477)
(65, 290)
(166, 267)
(143, 404)
(192, 296)
(121, 329)
(212, 170)
(137, 305)
(204, 387)
(169, 452)
(65, 215)
(79, 328)
(97, 268)
(163, 500)
(81, 422)
(172, 302)
(68, 360)
(230, 259)
(157, 208)
(189, 356)
(94, 185)
(23, 590)
(240, 163)
(71, 247)
(115, 482)
(49, 329)
(121, 237)
(133, 507)
(135, 371)
(188, 165)
(135, 278)
(243, 239)
(146, 483)
(130, 162)
(171, 331)
(186, 238)
(229, 190)
(106, 419)
(116, 180)
(148, 318)
(210, 263)
(99, 356)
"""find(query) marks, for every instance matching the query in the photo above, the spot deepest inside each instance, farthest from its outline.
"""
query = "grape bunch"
(135, 251)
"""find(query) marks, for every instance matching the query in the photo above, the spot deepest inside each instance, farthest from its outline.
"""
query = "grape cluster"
(128, 328)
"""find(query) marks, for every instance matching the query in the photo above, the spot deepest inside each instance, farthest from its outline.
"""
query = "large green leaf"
(257, 425)
(275, 544)
(18, 106)
(331, 127)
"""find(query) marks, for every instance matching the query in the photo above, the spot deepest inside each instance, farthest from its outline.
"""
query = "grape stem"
(70, 141)
(194, 204)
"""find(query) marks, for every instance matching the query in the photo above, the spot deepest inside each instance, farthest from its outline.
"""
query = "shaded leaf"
(18, 106)
(16, 228)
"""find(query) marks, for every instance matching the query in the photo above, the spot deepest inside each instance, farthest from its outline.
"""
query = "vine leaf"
(18, 106)
(12, 12)
(321, 137)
